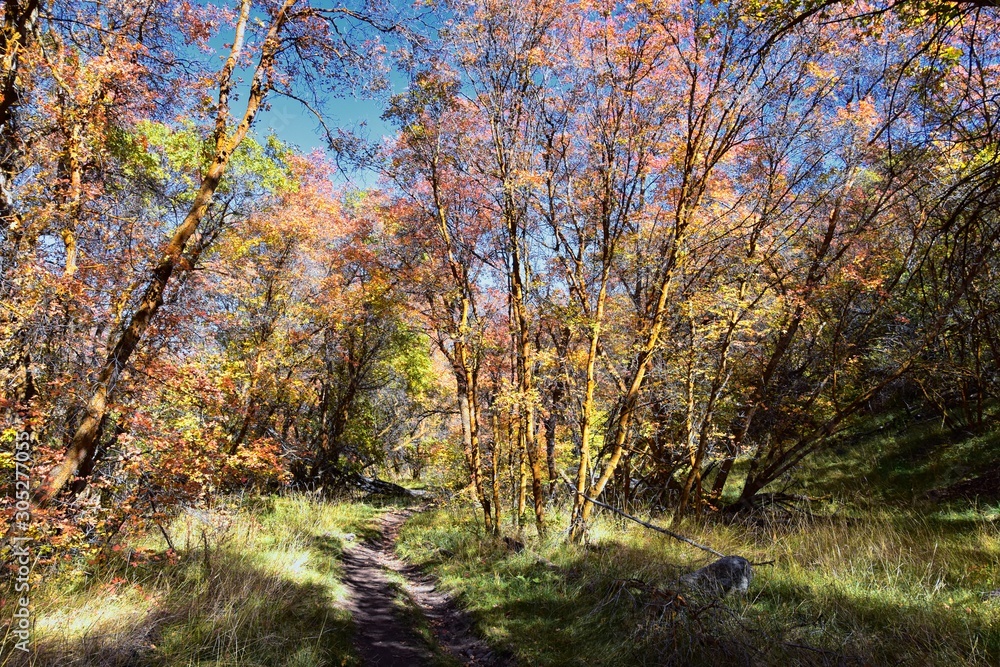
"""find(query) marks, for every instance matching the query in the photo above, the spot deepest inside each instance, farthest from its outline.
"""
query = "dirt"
(384, 633)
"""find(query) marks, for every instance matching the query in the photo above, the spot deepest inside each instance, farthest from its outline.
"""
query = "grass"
(880, 574)
(253, 584)
(888, 588)
(902, 466)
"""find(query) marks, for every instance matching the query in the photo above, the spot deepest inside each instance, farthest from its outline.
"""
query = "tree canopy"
(614, 252)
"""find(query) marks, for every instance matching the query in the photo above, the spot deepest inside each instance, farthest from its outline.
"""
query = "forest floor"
(294, 581)
(289, 581)
(400, 616)
(885, 566)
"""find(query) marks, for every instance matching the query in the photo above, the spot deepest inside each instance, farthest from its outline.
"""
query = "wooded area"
(675, 251)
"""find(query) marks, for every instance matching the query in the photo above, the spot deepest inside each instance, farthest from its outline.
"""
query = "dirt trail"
(383, 635)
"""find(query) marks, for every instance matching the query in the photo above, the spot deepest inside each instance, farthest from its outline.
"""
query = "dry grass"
(878, 575)
(883, 588)
(253, 584)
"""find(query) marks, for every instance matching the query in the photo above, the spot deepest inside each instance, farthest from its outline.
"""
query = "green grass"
(888, 588)
(885, 459)
(880, 461)
(253, 584)
(881, 574)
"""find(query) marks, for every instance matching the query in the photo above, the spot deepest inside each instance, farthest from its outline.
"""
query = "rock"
(514, 545)
(724, 576)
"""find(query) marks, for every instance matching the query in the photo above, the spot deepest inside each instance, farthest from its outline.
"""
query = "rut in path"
(383, 635)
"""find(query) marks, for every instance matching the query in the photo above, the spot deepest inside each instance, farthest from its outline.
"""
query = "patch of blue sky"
(349, 110)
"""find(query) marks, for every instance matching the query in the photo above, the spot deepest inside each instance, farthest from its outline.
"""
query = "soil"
(384, 635)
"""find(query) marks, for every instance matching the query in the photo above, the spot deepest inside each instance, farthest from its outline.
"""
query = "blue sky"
(292, 123)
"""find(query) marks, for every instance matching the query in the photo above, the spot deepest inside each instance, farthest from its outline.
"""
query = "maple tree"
(286, 25)
(615, 250)
(756, 152)
(443, 215)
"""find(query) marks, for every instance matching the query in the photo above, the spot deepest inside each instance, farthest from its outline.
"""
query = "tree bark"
(85, 438)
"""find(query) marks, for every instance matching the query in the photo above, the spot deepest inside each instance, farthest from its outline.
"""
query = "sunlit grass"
(253, 584)
(877, 574)
(886, 588)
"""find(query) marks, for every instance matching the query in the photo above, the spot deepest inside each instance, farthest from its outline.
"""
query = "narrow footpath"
(385, 635)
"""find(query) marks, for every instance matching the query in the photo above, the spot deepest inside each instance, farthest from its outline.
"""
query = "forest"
(467, 331)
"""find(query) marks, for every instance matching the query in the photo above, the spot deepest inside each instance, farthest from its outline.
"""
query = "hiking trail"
(384, 628)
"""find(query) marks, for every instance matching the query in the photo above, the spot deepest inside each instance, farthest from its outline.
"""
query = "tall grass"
(253, 583)
(886, 588)
(877, 575)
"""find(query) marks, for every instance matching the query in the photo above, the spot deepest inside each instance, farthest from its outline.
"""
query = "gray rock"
(724, 576)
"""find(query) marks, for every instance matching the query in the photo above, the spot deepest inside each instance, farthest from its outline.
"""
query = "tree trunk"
(551, 422)
(85, 438)
(470, 442)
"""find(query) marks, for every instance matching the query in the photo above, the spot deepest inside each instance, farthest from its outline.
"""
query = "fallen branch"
(372, 485)
(676, 536)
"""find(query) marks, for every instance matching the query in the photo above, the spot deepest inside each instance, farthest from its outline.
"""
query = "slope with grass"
(861, 577)
(252, 583)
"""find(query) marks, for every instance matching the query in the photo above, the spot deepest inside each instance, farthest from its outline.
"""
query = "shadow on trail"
(402, 618)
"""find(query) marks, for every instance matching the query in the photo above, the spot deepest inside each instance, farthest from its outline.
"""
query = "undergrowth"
(250, 583)
(874, 571)
(886, 589)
